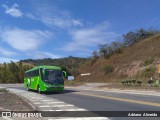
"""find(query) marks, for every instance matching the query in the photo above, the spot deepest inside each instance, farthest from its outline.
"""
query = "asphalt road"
(103, 100)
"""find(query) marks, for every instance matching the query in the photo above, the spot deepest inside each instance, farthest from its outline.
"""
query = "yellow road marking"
(121, 99)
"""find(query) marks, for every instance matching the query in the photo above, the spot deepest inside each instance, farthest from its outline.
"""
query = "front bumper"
(50, 88)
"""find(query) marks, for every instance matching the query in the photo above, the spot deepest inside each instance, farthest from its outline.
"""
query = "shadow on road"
(54, 92)
(64, 92)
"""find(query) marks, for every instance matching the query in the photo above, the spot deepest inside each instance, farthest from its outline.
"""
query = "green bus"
(45, 79)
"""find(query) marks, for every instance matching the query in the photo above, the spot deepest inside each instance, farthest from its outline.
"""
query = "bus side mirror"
(65, 74)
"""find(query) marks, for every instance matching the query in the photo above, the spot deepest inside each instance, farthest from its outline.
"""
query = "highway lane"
(94, 103)
(97, 103)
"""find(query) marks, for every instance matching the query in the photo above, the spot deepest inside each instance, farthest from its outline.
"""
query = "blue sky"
(35, 29)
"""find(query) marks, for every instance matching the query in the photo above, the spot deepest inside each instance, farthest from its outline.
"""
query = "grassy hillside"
(137, 61)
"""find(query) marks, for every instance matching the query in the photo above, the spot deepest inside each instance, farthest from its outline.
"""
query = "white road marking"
(76, 110)
(54, 102)
(33, 100)
(37, 103)
(62, 105)
(48, 104)
(51, 110)
(59, 110)
(33, 97)
(45, 106)
(47, 100)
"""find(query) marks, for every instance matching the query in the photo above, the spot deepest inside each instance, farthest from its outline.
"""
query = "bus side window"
(33, 73)
(28, 74)
(41, 73)
(37, 72)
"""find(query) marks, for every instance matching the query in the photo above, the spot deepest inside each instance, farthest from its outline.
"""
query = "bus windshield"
(53, 76)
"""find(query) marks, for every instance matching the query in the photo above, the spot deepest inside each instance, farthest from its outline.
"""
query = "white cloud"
(42, 54)
(82, 39)
(7, 60)
(6, 52)
(77, 22)
(24, 39)
(53, 16)
(61, 22)
(13, 10)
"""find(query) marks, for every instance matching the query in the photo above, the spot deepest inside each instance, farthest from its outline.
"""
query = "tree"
(133, 37)
(129, 38)
(105, 50)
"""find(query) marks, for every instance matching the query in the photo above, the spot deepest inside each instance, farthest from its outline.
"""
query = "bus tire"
(39, 90)
(27, 88)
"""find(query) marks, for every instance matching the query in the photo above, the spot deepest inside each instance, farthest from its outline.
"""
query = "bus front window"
(53, 77)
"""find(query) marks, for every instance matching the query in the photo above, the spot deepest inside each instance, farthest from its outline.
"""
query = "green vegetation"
(139, 82)
(131, 82)
(131, 57)
(151, 82)
(148, 61)
(129, 39)
(106, 50)
(156, 83)
(108, 69)
(69, 64)
(12, 72)
(149, 72)
(133, 37)
(95, 57)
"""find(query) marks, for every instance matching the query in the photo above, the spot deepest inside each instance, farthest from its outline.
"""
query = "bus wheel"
(27, 88)
(39, 90)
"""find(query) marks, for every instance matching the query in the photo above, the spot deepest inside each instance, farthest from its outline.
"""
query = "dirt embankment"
(134, 62)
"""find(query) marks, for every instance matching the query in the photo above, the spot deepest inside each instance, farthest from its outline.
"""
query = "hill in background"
(70, 64)
(137, 61)
(136, 58)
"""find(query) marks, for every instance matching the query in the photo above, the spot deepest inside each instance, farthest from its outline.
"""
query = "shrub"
(108, 69)
(150, 82)
(156, 83)
(148, 72)
(134, 82)
(139, 82)
(123, 82)
(149, 61)
(129, 82)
